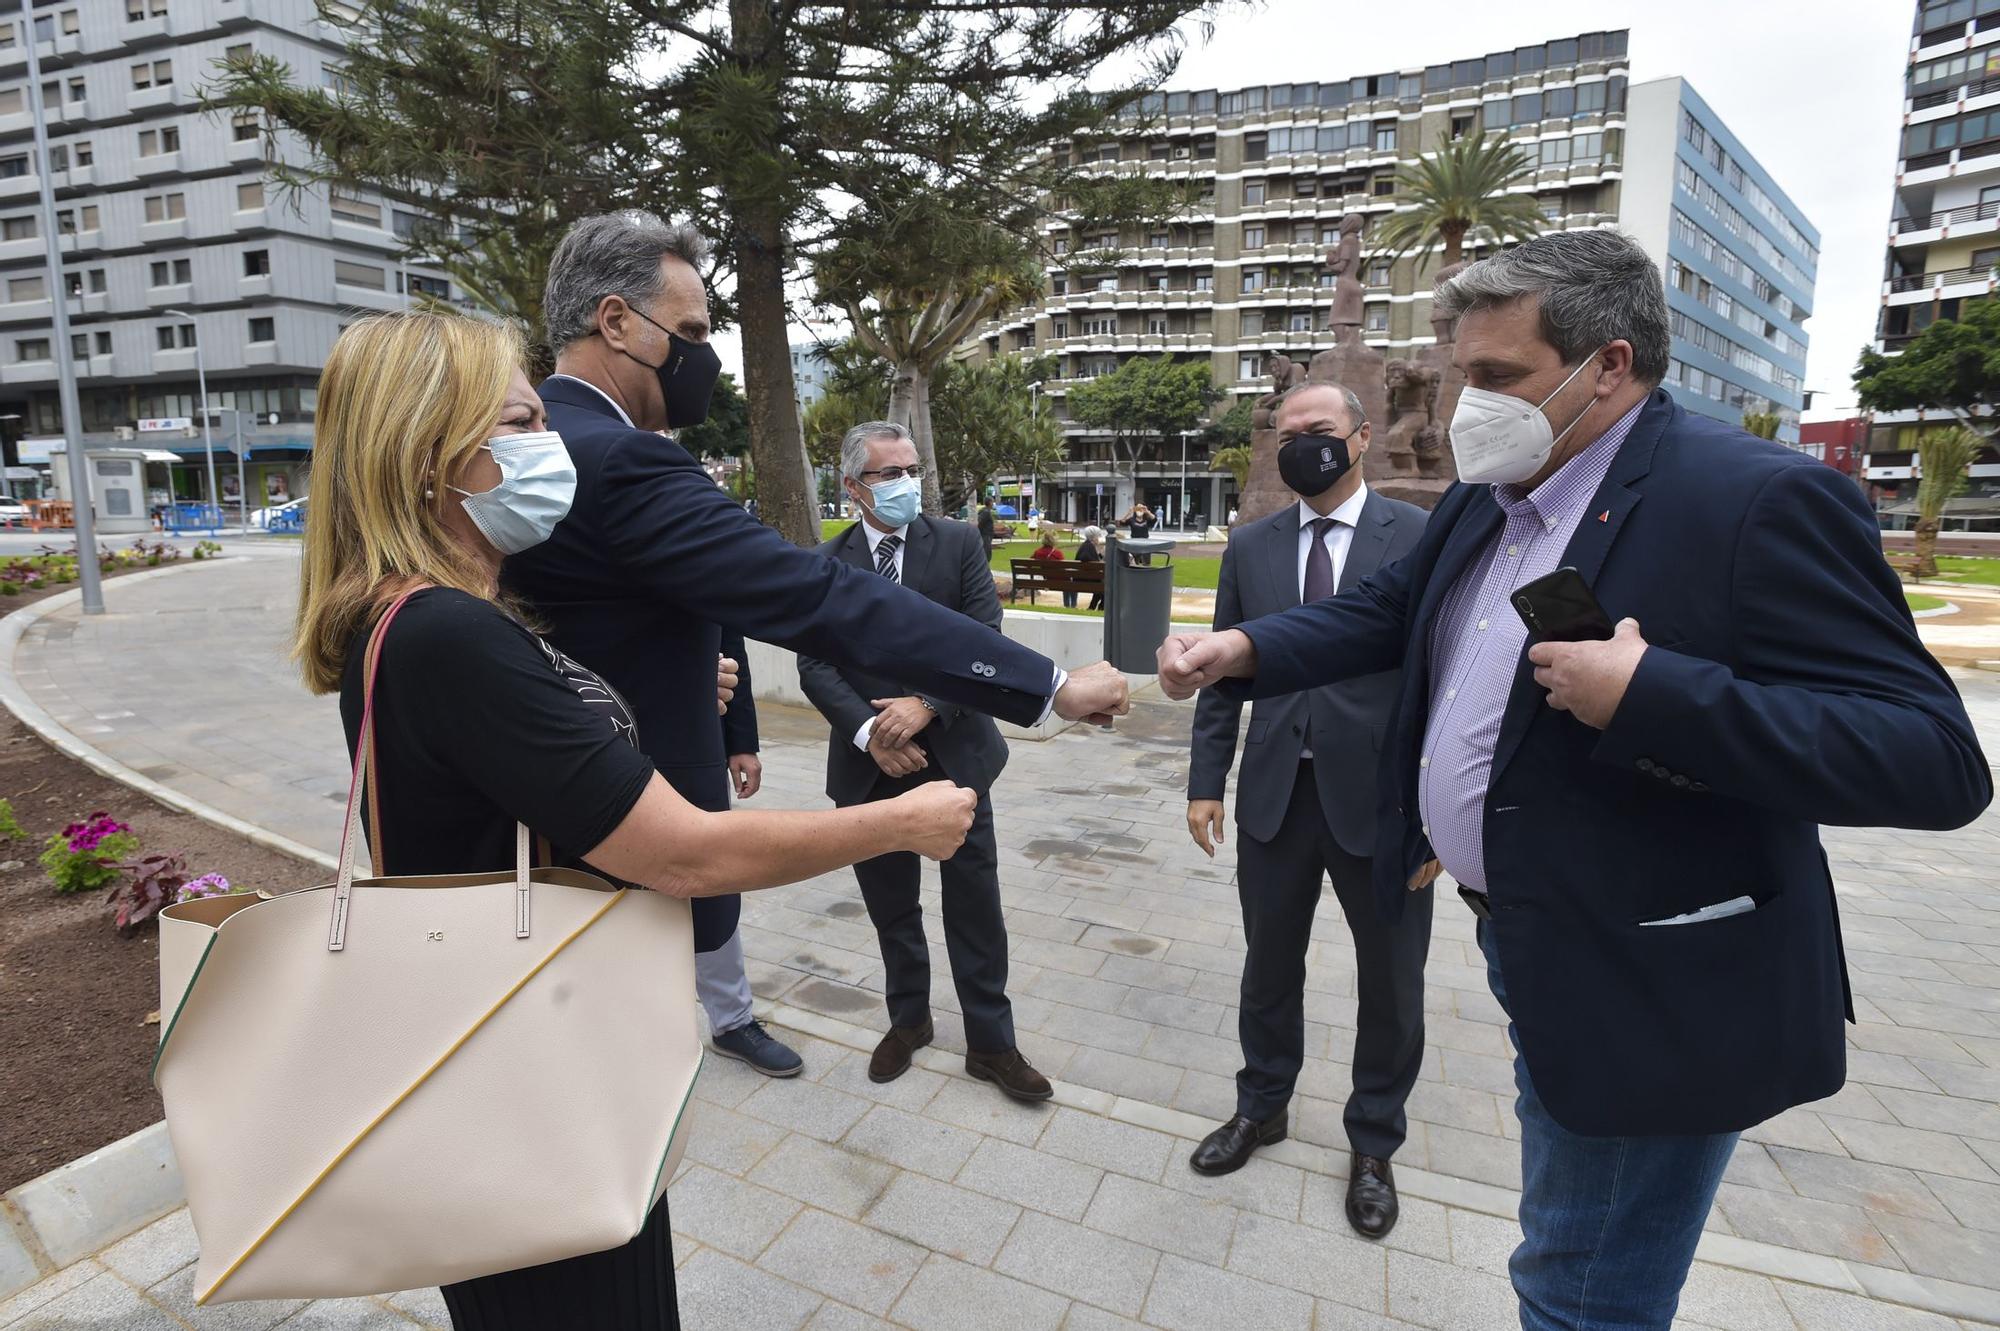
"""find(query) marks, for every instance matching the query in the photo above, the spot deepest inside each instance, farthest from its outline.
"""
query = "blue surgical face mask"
(537, 487)
(896, 503)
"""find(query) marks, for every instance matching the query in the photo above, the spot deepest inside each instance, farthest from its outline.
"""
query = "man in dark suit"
(1305, 804)
(1632, 820)
(889, 736)
(653, 557)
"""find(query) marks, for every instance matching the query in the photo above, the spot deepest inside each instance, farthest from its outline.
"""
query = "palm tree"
(1235, 460)
(1459, 190)
(1944, 458)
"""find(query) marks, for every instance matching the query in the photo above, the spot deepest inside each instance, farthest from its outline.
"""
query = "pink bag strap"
(364, 763)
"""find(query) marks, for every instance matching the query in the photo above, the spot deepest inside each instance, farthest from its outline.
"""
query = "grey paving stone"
(911, 1142)
(823, 1176)
(981, 1107)
(176, 1295)
(946, 1219)
(719, 1293)
(807, 1107)
(346, 1315)
(1836, 1178)
(1481, 1242)
(1731, 1300)
(1029, 1178)
(949, 1295)
(1435, 1294)
(1819, 1309)
(1263, 1185)
(1079, 1262)
(1474, 1155)
(1108, 1144)
(1974, 1205)
(836, 1317)
(1083, 1317)
(104, 1303)
(1335, 1317)
(1949, 1251)
(726, 1213)
(1912, 1148)
(155, 1252)
(425, 1306)
(911, 1091)
(731, 1142)
(843, 1261)
(1340, 1266)
(1188, 1296)
(1162, 1218)
(1831, 1228)
(1123, 1074)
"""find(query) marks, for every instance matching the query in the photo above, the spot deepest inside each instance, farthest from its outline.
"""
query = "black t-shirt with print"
(480, 724)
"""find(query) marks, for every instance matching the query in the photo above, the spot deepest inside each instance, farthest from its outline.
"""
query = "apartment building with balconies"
(1240, 273)
(161, 207)
(1944, 227)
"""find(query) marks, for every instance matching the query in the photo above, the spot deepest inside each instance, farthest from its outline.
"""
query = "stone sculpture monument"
(1409, 401)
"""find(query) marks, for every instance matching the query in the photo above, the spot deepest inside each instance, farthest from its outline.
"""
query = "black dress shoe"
(1371, 1196)
(1230, 1146)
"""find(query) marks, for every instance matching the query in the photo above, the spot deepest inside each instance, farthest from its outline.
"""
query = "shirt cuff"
(1062, 678)
(866, 733)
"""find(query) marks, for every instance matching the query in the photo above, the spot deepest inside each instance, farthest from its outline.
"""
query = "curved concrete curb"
(86, 1205)
(31, 713)
(1948, 608)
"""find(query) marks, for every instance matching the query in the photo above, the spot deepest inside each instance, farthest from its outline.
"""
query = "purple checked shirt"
(1476, 645)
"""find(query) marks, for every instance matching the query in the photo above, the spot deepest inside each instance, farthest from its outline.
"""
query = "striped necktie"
(885, 557)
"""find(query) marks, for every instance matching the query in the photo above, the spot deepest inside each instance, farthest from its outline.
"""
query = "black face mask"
(687, 376)
(1312, 464)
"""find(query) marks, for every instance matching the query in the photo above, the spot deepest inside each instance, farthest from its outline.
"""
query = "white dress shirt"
(902, 534)
(1337, 539)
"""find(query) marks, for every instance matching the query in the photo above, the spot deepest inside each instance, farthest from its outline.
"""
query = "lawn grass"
(1199, 572)
(1918, 601)
(1969, 569)
(1058, 608)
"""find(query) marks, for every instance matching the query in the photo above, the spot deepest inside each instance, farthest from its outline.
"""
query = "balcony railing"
(1923, 161)
(1975, 88)
(1948, 278)
(1971, 212)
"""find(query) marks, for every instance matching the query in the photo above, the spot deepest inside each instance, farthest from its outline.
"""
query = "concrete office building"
(1241, 273)
(161, 207)
(1944, 228)
(810, 373)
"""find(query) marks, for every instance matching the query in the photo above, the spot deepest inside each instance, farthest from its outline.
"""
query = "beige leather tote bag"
(387, 1083)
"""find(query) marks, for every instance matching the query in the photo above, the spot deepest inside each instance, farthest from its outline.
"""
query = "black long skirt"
(628, 1288)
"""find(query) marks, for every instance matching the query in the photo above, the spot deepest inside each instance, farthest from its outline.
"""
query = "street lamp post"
(1183, 495)
(88, 579)
(242, 485)
(207, 437)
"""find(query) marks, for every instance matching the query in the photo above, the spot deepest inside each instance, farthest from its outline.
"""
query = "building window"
(1376, 320)
(1378, 272)
(1058, 328)
(1060, 245)
(245, 125)
(1302, 233)
(1384, 186)
(240, 54)
(1156, 240)
(96, 274)
(1253, 279)
(1385, 136)
(159, 142)
(13, 167)
(1256, 147)
(1156, 325)
(152, 74)
(165, 207)
(173, 337)
(1301, 321)
(12, 103)
(171, 272)
(1589, 99)
(1461, 126)
(1253, 237)
(352, 274)
(85, 154)
(1304, 187)
(1249, 367)
(1555, 152)
(1059, 284)
(19, 228)
(1251, 322)
(136, 10)
(249, 196)
(263, 330)
(31, 348)
(1559, 103)
(1204, 281)
(1253, 192)
(1526, 110)
(437, 288)
(347, 208)
(256, 263)
(26, 288)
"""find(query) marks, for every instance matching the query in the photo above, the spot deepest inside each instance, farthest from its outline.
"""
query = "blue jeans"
(1608, 1224)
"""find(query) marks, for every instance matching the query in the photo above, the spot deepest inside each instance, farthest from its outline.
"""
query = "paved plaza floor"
(829, 1202)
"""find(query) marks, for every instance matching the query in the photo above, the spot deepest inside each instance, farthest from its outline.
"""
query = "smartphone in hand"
(1560, 607)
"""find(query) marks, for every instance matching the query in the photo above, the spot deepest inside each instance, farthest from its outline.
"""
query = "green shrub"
(10, 826)
(85, 856)
(10, 589)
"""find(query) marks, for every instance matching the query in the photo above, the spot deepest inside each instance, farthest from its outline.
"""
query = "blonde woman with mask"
(431, 462)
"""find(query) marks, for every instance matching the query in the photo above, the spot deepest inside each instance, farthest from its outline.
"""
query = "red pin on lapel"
(1605, 516)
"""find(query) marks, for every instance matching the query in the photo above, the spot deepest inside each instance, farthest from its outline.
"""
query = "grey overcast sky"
(1813, 88)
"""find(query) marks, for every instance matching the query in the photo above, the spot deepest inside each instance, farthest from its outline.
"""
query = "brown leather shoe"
(1371, 1196)
(1011, 1073)
(891, 1058)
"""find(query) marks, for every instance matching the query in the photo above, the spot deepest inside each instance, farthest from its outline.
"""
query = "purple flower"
(208, 885)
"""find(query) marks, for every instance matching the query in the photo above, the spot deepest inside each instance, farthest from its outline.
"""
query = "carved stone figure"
(1344, 262)
(1414, 439)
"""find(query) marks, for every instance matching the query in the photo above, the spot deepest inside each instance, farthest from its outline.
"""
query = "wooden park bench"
(1055, 575)
(1904, 564)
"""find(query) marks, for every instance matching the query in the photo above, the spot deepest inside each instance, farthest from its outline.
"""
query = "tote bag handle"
(364, 761)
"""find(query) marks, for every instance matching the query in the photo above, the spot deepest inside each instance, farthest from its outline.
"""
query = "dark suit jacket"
(1785, 687)
(944, 561)
(1260, 576)
(653, 556)
(739, 723)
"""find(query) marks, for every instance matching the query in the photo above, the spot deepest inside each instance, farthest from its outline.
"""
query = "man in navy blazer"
(653, 557)
(1634, 820)
(1305, 809)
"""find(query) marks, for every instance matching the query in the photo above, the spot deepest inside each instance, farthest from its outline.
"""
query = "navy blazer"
(1345, 721)
(1785, 687)
(945, 561)
(653, 556)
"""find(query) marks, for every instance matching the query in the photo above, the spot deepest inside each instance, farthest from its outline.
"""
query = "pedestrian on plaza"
(986, 527)
(889, 736)
(1305, 809)
(1138, 521)
(1091, 552)
(432, 460)
(653, 558)
(1632, 820)
(1048, 549)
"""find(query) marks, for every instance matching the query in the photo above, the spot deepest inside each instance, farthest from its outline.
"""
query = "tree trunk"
(777, 448)
(1454, 241)
(1927, 534)
(910, 407)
